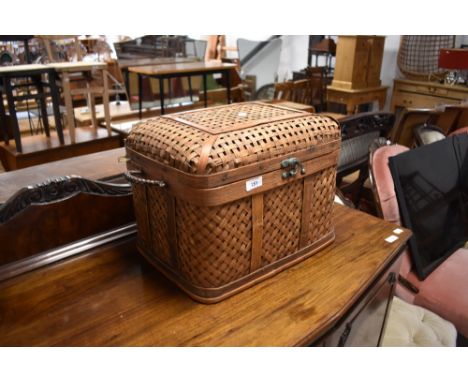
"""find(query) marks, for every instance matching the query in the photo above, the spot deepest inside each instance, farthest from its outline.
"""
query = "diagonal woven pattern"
(139, 198)
(282, 221)
(224, 117)
(214, 244)
(323, 193)
(239, 148)
(170, 142)
(181, 146)
(157, 209)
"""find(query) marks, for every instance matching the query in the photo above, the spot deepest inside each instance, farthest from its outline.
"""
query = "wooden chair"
(74, 46)
(402, 132)
(452, 117)
(283, 91)
(358, 131)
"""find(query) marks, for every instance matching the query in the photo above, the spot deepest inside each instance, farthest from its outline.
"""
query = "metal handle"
(292, 164)
(129, 175)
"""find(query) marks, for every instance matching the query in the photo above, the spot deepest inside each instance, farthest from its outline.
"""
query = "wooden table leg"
(42, 103)
(13, 116)
(91, 106)
(140, 95)
(228, 89)
(161, 94)
(55, 94)
(69, 106)
(190, 88)
(205, 88)
(4, 120)
(105, 101)
(350, 108)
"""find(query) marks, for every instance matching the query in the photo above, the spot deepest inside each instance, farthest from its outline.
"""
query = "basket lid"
(216, 139)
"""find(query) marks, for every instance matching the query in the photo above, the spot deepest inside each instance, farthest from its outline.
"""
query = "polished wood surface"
(179, 68)
(128, 62)
(111, 297)
(425, 94)
(22, 68)
(76, 66)
(95, 166)
(294, 105)
(352, 98)
(358, 62)
(38, 149)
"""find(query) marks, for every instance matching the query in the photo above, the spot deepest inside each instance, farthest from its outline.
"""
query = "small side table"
(352, 98)
(34, 76)
(64, 70)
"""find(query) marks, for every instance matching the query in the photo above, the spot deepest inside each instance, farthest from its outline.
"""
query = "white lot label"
(397, 231)
(253, 183)
(391, 239)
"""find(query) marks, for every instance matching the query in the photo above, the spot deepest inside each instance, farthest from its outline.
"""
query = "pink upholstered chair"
(445, 290)
(462, 130)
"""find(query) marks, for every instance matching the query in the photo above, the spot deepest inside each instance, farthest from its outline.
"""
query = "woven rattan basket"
(227, 196)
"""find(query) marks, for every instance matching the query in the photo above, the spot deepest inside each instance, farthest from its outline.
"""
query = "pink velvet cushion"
(445, 290)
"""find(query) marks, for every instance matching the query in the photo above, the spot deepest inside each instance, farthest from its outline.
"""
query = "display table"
(187, 69)
(30, 75)
(425, 94)
(352, 98)
(110, 296)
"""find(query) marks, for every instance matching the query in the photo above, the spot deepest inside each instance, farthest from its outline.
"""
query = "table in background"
(352, 98)
(425, 94)
(110, 296)
(34, 73)
(188, 69)
(126, 63)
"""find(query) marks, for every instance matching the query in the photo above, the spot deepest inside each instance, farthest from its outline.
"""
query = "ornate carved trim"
(56, 190)
(363, 123)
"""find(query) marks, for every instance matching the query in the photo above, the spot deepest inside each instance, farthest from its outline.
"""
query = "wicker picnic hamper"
(227, 196)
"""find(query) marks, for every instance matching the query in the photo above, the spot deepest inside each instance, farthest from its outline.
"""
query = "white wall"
(294, 57)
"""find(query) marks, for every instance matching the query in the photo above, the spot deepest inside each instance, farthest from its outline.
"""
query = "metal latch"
(292, 164)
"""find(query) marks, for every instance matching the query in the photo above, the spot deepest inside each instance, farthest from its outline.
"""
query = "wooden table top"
(127, 62)
(76, 66)
(357, 91)
(111, 296)
(431, 84)
(22, 68)
(180, 68)
(92, 166)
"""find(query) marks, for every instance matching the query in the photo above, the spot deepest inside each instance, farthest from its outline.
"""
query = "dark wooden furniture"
(38, 149)
(408, 119)
(189, 69)
(358, 131)
(54, 210)
(110, 296)
(425, 94)
(29, 75)
(97, 166)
